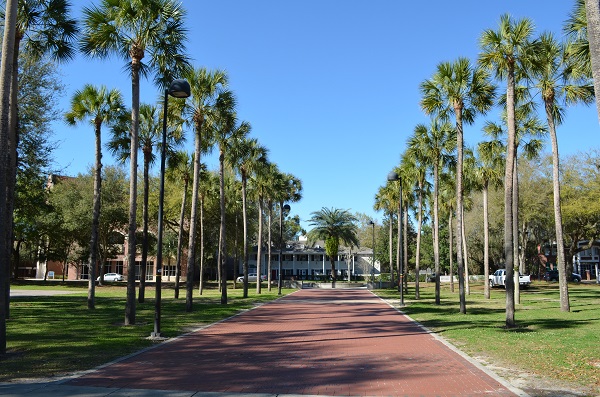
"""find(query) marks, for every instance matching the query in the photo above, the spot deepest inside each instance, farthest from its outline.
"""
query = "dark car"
(552, 275)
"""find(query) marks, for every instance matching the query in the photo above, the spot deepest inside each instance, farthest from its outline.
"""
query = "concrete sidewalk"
(312, 342)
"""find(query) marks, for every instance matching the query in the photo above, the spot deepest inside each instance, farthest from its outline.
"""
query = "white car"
(251, 278)
(111, 277)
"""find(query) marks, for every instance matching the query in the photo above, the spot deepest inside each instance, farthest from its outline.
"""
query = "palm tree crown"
(335, 226)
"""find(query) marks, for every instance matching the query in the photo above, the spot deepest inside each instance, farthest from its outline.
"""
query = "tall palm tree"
(334, 226)
(44, 28)
(416, 171)
(555, 83)
(385, 199)
(447, 192)
(96, 105)
(10, 20)
(225, 130)
(267, 178)
(288, 188)
(458, 89)
(434, 145)
(180, 169)
(206, 87)
(489, 172)
(246, 155)
(150, 136)
(134, 29)
(510, 53)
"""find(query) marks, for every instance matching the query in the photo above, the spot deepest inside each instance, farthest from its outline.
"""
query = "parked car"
(251, 278)
(552, 275)
(498, 278)
(111, 277)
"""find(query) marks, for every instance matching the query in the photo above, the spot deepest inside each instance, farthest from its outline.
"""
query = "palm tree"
(224, 131)
(416, 170)
(447, 192)
(555, 83)
(577, 49)
(334, 226)
(433, 145)
(43, 27)
(592, 11)
(489, 163)
(266, 180)
(460, 89)
(134, 29)
(509, 52)
(246, 155)
(150, 134)
(98, 105)
(385, 198)
(10, 19)
(180, 169)
(288, 188)
(206, 87)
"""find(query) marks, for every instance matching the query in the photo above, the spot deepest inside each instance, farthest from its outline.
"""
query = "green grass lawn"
(546, 341)
(56, 335)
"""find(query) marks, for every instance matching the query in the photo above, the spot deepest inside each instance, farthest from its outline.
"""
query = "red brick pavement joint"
(312, 342)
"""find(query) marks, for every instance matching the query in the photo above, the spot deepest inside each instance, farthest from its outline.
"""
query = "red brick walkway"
(313, 342)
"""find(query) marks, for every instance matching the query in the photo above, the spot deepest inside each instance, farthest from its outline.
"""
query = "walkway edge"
(456, 350)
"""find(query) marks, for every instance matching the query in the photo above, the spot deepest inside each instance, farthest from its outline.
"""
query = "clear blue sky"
(330, 87)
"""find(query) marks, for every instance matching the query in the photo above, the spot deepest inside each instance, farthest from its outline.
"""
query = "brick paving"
(312, 342)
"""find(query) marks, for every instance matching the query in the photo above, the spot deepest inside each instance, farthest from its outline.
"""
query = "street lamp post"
(282, 208)
(373, 254)
(392, 176)
(178, 89)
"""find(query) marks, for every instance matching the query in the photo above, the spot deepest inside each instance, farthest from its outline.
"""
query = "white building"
(303, 262)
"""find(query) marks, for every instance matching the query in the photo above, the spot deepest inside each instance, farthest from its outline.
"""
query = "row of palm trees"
(150, 37)
(530, 67)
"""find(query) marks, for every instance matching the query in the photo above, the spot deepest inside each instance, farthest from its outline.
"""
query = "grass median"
(547, 342)
(51, 336)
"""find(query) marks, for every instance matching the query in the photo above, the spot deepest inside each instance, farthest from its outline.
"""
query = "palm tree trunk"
(515, 213)
(418, 253)
(508, 198)
(10, 18)
(450, 249)
(144, 262)
(222, 246)
(486, 242)
(436, 231)
(95, 220)
(399, 244)
(391, 246)
(201, 275)
(465, 254)
(459, 206)
(259, 248)
(13, 140)
(193, 219)
(180, 237)
(405, 236)
(245, 226)
(131, 243)
(269, 247)
(560, 245)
